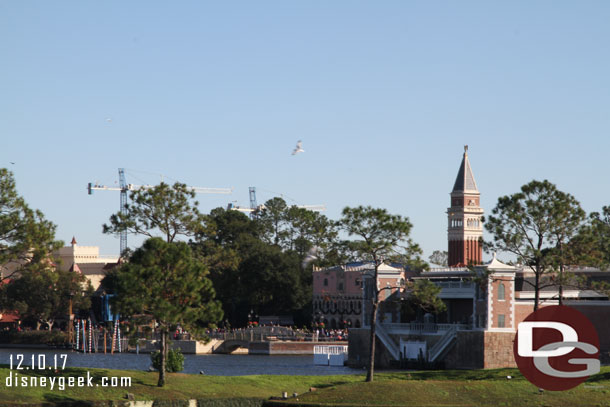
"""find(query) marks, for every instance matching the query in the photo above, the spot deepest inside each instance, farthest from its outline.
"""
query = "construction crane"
(124, 187)
(254, 208)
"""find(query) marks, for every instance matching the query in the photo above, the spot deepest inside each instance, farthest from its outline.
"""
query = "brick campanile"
(465, 228)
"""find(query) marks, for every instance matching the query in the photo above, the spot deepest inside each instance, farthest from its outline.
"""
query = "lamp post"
(252, 317)
(70, 317)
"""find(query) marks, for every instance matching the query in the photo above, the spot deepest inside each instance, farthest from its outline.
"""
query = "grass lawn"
(456, 388)
(428, 388)
(178, 386)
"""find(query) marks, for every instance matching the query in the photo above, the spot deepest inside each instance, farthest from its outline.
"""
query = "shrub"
(174, 362)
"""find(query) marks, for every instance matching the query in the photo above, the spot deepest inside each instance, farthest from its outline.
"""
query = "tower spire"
(465, 228)
(464, 182)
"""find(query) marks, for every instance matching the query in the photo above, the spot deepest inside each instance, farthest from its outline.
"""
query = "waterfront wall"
(358, 349)
(481, 350)
(286, 347)
(467, 352)
(233, 346)
(186, 347)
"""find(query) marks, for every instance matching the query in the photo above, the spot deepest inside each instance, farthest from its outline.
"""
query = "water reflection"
(213, 365)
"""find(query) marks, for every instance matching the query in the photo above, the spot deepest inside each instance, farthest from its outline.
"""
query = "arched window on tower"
(501, 292)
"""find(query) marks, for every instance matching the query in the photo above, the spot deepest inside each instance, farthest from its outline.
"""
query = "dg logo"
(557, 348)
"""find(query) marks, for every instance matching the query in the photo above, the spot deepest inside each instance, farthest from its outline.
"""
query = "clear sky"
(384, 94)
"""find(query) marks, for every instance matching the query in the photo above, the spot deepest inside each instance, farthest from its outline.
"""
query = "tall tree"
(26, 237)
(272, 218)
(169, 211)
(535, 225)
(165, 280)
(379, 235)
(163, 209)
(249, 273)
(593, 240)
(300, 230)
(439, 257)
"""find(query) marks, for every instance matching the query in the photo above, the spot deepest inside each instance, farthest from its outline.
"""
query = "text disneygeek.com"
(38, 364)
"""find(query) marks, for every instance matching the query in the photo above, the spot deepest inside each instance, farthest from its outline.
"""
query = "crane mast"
(123, 186)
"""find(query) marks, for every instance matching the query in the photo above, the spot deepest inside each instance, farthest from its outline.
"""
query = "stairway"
(442, 345)
(387, 341)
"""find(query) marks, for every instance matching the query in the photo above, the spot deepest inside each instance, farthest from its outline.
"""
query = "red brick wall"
(465, 252)
(501, 306)
(521, 312)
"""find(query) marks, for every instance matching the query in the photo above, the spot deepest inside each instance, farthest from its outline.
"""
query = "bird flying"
(298, 148)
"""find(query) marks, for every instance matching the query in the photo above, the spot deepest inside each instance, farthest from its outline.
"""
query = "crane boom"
(124, 187)
(317, 208)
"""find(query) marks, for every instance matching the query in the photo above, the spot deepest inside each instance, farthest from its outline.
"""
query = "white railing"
(329, 349)
(389, 343)
(329, 355)
(421, 328)
(442, 344)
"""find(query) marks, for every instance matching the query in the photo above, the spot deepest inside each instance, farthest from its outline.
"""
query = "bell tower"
(465, 228)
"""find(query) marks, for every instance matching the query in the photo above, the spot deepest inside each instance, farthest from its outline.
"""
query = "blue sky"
(383, 94)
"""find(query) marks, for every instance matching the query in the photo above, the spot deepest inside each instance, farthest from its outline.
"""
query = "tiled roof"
(465, 179)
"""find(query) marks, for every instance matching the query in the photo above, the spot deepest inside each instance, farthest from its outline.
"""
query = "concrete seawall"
(187, 347)
(286, 348)
(233, 347)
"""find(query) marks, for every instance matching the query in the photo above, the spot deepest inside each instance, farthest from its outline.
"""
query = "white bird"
(298, 148)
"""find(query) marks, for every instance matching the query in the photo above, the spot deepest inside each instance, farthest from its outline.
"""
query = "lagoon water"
(213, 365)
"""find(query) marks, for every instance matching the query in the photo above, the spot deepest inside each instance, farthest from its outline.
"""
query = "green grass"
(456, 388)
(427, 388)
(179, 386)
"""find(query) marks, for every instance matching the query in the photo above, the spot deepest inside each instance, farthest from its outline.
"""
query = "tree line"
(201, 270)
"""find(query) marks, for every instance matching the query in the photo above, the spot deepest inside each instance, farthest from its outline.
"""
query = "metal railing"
(270, 334)
(422, 327)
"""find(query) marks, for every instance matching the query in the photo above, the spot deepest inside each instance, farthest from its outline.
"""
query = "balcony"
(456, 289)
(423, 328)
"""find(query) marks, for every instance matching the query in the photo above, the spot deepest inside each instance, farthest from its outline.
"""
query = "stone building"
(465, 227)
(485, 302)
(338, 292)
(86, 260)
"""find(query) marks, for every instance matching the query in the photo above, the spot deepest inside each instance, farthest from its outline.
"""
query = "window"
(501, 321)
(326, 282)
(501, 292)
(340, 286)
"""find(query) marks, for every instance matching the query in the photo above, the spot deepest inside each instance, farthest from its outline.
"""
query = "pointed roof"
(75, 269)
(465, 179)
(497, 265)
(73, 240)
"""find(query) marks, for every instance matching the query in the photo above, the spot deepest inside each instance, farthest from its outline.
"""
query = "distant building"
(86, 260)
(338, 292)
